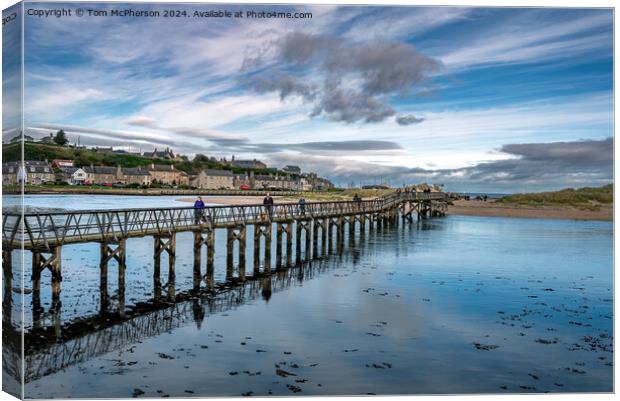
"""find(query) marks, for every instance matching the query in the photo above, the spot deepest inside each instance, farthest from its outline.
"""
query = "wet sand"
(492, 209)
(233, 200)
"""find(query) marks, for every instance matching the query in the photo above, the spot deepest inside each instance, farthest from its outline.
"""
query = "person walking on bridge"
(268, 203)
(358, 201)
(302, 206)
(199, 210)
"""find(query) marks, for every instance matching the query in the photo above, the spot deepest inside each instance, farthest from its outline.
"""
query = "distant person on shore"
(268, 203)
(302, 206)
(199, 210)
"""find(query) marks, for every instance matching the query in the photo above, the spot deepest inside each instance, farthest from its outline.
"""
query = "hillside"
(582, 198)
(86, 157)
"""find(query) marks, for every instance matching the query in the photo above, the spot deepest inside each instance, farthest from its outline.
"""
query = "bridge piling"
(308, 247)
(39, 263)
(238, 234)
(298, 228)
(324, 232)
(7, 269)
(315, 238)
(279, 231)
(241, 238)
(165, 243)
(289, 243)
(109, 251)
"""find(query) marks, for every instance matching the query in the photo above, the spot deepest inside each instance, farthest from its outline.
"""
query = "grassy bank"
(581, 198)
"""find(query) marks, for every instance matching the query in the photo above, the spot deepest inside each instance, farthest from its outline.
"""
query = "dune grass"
(581, 198)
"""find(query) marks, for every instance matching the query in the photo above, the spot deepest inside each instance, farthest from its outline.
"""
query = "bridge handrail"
(418, 196)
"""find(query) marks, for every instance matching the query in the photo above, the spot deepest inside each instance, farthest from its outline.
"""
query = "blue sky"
(489, 99)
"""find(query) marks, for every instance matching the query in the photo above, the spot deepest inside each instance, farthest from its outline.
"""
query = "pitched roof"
(220, 173)
(100, 170)
(162, 167)
(135, 171)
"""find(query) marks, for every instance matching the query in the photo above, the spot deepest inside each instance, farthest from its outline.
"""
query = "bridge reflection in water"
(51, 344)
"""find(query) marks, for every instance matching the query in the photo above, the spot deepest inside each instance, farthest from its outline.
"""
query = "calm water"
(449, 305)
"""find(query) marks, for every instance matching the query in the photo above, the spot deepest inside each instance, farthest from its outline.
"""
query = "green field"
(583, 198)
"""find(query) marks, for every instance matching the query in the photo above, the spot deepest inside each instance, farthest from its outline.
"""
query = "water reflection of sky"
(402, 319)
(92, 202)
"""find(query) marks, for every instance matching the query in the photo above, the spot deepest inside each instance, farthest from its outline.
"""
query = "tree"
(61, 138)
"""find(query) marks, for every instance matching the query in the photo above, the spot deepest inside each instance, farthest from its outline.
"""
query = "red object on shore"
(244, 187)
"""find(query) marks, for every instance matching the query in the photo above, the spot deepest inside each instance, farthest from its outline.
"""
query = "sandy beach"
(491, 209)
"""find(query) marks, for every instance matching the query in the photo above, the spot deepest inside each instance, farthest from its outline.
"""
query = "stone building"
(214, 179)
(103, 174)
(136, 176)
(168, 174)
(32, 172)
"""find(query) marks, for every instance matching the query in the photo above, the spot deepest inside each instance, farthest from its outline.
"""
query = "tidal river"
(450, 305)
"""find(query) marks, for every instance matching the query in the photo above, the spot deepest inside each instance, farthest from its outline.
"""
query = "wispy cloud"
(532, 38)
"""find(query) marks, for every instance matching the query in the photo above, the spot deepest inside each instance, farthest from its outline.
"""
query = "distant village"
(67, 172)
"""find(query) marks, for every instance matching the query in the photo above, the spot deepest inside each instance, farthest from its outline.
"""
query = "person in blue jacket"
(199, 210)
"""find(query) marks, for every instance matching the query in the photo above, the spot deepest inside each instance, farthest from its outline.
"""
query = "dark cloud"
(286, 85)
(408, 119)
(536, 166)
(351, 107)
(344, 80)
(588, 153)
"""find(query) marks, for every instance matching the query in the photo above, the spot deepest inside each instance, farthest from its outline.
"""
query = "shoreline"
(458, 208)
(491, 209)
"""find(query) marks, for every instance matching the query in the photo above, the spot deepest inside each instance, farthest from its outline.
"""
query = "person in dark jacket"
(199, 210)
(302, 206)
(268, 203)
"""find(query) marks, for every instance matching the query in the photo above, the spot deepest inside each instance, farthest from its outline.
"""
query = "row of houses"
(39, 172)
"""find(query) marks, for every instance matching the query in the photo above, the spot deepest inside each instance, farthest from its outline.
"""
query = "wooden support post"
(210, 242)
(298, 241)
(103, 278)
(279, 231)
(119, 254)
(230, 244)
(55, 266)
(267, 234)
(308, 229)
(289, 243)
(7, 273)
(165, 244)
(324, 231)
(157, 267)
(330, 235)
(36, 279)
(256, 252)
(351, 227)
(7, 270)
(197, 277)
(362, 220)
(315, 238)
(241, 237)
(172, 257)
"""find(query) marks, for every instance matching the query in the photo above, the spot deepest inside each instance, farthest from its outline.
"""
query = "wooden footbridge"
(44, 234)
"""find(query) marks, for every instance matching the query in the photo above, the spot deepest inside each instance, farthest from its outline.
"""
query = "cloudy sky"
(478, 99)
